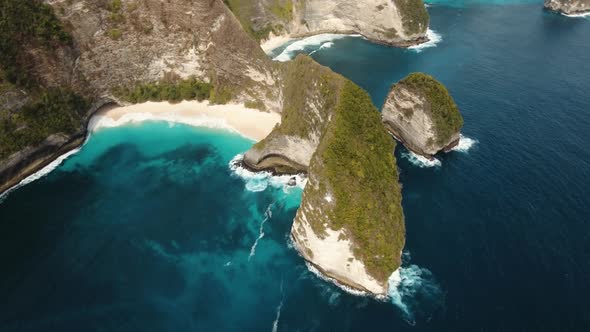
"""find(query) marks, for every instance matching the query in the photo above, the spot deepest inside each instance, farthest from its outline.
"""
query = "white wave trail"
(420, 161)
(324, 46)
(259, 181)
(322, 40)
(275, 324)
(345, 288)
(267, 216)
(41, 173)
(433, 39)
(415, 292)
(577, 15)
(465, 143)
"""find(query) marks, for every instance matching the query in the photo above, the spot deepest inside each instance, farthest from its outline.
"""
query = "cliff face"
(350, 223)
(86, 48)
(569, 6)
(398, 22)
(421, 114)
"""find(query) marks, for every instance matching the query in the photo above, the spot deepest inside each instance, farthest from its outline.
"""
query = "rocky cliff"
(86, 48)
(422, 115)
(570, 7)
(350, 223)
(397, 22)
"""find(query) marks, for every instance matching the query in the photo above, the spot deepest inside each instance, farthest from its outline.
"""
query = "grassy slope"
(446, 116)
(415, 16)
(356, 160)
(51, 110)
(260, 17)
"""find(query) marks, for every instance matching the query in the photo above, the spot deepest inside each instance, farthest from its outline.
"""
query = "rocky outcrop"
(350, 224)
(397, 22)
(569, 7)
(121, 44)
(420, 113)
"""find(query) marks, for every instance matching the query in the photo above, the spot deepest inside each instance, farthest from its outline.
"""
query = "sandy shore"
(274, 42)
(250, 123)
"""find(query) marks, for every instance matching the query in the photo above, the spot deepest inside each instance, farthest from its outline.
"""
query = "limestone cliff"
(570, 7)
(392, 22)
(422, 115)
(80, 50)
(350, 223)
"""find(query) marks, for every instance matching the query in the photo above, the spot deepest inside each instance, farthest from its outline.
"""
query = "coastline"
(41, 160)
(249, 123)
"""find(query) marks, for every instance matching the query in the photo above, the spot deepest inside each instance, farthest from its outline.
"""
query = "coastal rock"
(569, 7)
(420, 113)
(399, 22)
(350, 224)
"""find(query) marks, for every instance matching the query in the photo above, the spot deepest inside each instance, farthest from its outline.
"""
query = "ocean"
(149, 228)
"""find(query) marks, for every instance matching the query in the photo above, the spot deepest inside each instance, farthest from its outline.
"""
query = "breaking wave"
(259, 181)
(317, 42)
(586, 15)
(465, 143)
(267, 216)
(433, 39)
(41, 173)
(420, 161)
(415, 292)
(325, 278)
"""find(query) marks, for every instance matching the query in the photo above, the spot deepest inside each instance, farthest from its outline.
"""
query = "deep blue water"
(146, 228)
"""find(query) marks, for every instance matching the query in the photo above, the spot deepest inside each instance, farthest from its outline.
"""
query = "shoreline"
(248, 123)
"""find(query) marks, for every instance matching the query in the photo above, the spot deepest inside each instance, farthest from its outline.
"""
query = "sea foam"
(415, 292)
(433, 39)
(585, 15)
(465, 144)
(267, 216)
(420, 161)
(317, 42)
(260, 181)
(41, 173)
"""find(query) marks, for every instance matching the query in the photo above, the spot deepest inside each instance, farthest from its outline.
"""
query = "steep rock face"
(309, 92)
(568, 6)
(392, 22)
(147, 41)
(422, 115)
(350, 224)
(95, 46)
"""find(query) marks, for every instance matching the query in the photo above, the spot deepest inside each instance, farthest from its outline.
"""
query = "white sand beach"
(250, 123)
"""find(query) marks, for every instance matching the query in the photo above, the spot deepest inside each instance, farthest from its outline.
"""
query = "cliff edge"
(422, 115)
(569, 7)
(398, 23)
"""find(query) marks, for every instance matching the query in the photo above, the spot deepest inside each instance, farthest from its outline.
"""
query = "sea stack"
(569, 7)
(421, 114)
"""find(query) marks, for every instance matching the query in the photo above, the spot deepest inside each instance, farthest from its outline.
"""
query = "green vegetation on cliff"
(189, 89)
(54, 111)
(355, 159)
(445, 114)
(26, 24)
(415, 16)
(261, 17)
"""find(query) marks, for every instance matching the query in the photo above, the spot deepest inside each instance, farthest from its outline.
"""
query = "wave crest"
(465, 143)
(420, 161)
(260, 181)
(433, 39)
(415, 292)
(317, 42)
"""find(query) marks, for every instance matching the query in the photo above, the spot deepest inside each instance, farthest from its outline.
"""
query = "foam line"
(433, 39)
(41, 173)
(317, 41)
(267, 216)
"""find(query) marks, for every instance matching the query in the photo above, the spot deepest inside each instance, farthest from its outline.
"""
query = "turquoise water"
(148, 229)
